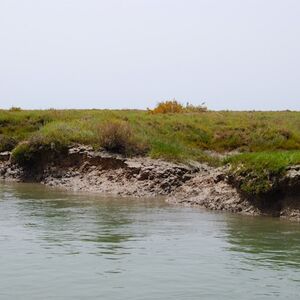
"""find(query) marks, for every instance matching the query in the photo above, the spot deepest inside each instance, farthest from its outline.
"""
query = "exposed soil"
(82, 169)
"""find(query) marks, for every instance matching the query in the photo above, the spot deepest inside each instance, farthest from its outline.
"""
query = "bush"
(7, 143)
(117, 136)
(168, 107)
(173, 106)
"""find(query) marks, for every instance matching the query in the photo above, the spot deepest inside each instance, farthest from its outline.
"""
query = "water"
(55, 245)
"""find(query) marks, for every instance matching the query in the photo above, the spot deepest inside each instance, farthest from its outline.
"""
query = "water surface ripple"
(56, 245)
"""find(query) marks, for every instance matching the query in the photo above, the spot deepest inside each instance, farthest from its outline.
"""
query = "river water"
(56, 245)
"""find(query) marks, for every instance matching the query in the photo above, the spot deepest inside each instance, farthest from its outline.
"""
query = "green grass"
(260, 172)
(171, 136)
(219, 131)
(268, 141)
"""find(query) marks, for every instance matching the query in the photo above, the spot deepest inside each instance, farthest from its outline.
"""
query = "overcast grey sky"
(232, 54)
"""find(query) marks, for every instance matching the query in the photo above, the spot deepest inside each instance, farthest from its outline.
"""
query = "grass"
(261, 172)
(218, 131)
(176, 136)
(268, 141)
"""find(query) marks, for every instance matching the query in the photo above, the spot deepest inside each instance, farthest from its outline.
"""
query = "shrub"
(117, 136)
(7, 143)
(173, 106)
(168, 107)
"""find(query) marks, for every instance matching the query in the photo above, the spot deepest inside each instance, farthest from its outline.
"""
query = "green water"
(55, 245)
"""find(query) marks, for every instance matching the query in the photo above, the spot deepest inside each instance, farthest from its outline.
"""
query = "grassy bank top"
(177, 136)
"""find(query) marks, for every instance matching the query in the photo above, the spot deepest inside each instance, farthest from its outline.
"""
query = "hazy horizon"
(235, 55)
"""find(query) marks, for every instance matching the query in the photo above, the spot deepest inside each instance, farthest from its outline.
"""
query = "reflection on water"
(66, 220)
(265, 241)
(78, 246)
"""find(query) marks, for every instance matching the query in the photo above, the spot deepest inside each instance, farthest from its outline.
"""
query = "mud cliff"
(83, 169)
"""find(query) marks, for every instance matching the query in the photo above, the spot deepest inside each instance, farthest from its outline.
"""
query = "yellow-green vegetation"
(174, 136)
(269, 141)
(220, 131)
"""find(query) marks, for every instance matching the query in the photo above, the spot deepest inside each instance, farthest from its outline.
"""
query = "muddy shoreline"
(83, 169)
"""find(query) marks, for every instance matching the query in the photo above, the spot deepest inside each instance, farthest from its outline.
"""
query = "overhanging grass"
(261, 171)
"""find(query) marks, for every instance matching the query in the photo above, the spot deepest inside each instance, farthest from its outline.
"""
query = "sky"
(230, 54)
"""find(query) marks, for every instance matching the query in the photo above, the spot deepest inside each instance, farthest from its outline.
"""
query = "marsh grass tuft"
(117, 136)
